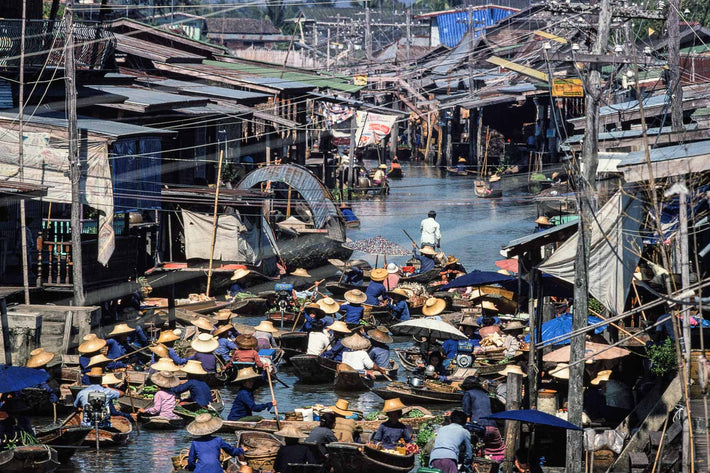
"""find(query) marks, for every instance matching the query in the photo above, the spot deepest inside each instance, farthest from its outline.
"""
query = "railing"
(44, 44)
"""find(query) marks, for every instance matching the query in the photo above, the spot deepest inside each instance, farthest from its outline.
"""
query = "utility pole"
(74, 164)
(327, 53)
(675, 90)
(368, 34)
(351, 155)
(586, 205)
(315, 45)
(409, 36)
(21, 155)
(470, 50)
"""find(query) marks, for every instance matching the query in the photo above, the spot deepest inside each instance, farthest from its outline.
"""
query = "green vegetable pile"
(20, 438)
(426, 432)
(373, 415)
(414, 414)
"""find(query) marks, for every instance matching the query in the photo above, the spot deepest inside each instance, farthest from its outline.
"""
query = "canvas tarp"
(372, 128)
(235, 240)
(609, 278)
(46, 162)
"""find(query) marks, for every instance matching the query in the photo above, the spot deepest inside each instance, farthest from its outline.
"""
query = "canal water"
(474, 230)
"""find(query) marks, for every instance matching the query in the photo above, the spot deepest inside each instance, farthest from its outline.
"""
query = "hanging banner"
(567, 88)
(372, 128)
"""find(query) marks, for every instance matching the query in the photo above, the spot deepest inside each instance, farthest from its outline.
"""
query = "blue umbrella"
(532, 416)
(562, 325)
(17, 378)
(479, 278)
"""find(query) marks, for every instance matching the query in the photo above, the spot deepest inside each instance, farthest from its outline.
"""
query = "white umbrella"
(428, 327)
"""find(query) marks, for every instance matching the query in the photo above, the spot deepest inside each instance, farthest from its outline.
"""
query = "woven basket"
(442, 388)
(261, 462)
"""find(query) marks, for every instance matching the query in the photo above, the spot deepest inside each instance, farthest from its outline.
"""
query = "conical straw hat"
(245, 374)
(378, 274)
(339, 326)
(167, 336)
(393, 405)
(355, 296)
(39, 357)
(164, 364)
(265, 326)
(121, 329)
(205, 343)
(291, 431)
(328, 305)
(91, 344)
(110, 379)
(203, 323)
(193, 367)
(433, 306)
(204, 424)
(356, 342)
(98, 360)
(165, 379)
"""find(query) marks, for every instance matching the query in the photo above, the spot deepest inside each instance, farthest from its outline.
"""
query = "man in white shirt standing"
(318, 340)
(431, 232)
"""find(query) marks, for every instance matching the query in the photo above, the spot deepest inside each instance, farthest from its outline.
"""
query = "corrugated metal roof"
(517, 246)
(92, 125)
(154, 52)
(635, 133)
(309, 186)
(322, 82)
(666, 162)
(669, 153)
(453, 25)
(149, 98)
(242, 110)
(202, 89)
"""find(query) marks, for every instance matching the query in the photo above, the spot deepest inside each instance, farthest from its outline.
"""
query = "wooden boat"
(65, 437)
(347, 379)
(313, 369)
(408, 357)
(201, 307)
(356, 458)
(189, 409)
(260, 449)
(455, 172)
(293, 343)
(422, 278)
(29, 459)
(38, 401)
(250, 306)
(135, 378)
(425, 396)
(338, 290)
(180, 462)
(483, 190)
(395, 173)
(118, 435)
(286, 318)
(161, 423)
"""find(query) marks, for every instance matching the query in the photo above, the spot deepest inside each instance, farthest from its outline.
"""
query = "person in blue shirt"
(376, 292)
(90, 346)
(237, 279)
(109, 386)
(204, 346)
(311, 313)
(380, 351)
(353, 275)
(353, 310)
(398, 304)
(205, 450)
(226, 346)
(436, 360)
(244, 405)
(39, 360)
(461, 165)
(450, 440)
(348, 214)
(391, 431)
(476, 402)
(200, 392)
(339, 330)
(425, 256)
(118, 346)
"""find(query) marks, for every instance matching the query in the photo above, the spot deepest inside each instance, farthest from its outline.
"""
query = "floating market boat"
(313, 369)
(293, 343)
(395, 173)
(201, 307)
(347, 379)
(422, 278)
(190, 409)
(250, 306)
(408, 358)
(260, 449)
(160, 423)
(64, 437)
(119, 435)
(483, 190)
(283, 319)
(37, 399)
(356, 458)
(412, 395)
(29, 459)
(455, 172)
(338, 290)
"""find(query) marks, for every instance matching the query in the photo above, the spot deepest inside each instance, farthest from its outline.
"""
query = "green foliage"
(663, 357)
(595, 305)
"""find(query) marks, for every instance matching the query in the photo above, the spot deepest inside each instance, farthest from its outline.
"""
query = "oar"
(410, 237)
(132, 353)
(54, 409)
(273, 398)
(130, 397)
(276, 378)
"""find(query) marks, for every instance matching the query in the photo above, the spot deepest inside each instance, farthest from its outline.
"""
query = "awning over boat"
(536, 240)
(616, 244)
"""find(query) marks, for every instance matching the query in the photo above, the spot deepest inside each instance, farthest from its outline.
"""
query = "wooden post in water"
(514, 393)
(214, 221)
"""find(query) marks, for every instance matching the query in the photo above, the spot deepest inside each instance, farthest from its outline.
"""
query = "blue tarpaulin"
(17, 378)
(479, 278)
(561, 326)
(532, 416)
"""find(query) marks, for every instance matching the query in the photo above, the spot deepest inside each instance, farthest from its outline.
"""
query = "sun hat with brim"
(239, 274)
(246, 374)
(203, 324)
(95, 372)
(39, 357)
(167, 336)
(488, 305)
(315, 309)
(398, 293)
(514, 325)
(428, 250)
(392, 268)
(341, 407)
(165, 379)
(451, 259)
(356, 342)
(462, 160)
(602, 376)
(291, 431)
(561, 371)
(193, 367)
(246, 342)
(98, 360)
(164, 364)
(205, 343)
(301, 273)
(121, 329)
(380, 334)
(542, 220)
(91, 345)
(204, 424)
(222, 329)
(266, 326)
(469, 321)
(223, 315)
(433, 306)
(355, 296)
(160, 350)
(328, 305)
(110, 379)
(339, 326)
(392, 405)
(378, 274)
(515, 369)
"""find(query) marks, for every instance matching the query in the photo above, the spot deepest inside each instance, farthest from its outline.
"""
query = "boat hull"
(355, 458)
(161, 423)
(312, 369)
(29, 458)
(293, 343)
(67, 437)
(107, 438)
(418, 396)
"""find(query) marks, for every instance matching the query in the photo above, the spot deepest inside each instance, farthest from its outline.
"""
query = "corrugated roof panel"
(453, 26)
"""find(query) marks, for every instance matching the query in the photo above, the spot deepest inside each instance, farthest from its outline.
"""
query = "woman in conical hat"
(206, 449)
(389, 432)
(200, 392)
(353, 310)
(164, 400)
(244, 404)
(293, 452)
(43, 360)
(90, 346)
(205, 346)
(376, 291)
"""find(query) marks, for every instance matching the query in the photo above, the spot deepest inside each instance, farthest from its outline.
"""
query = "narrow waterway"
(473, 229)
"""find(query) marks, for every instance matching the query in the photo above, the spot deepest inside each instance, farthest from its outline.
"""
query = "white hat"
(392, 268)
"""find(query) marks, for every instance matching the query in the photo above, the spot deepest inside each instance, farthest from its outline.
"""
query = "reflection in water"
(473, 229)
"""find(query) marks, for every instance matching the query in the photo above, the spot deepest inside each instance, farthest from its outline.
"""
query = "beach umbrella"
(532, 416)
(428, 327)
(17, 378)
(592, 351)
(377, 246)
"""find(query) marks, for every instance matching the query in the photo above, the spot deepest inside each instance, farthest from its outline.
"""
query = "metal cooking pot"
(416, 382)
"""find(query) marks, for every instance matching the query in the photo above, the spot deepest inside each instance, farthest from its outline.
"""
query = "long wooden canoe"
(412, 395)
(313, 369)
(293, 343)
(107, 438)
(160, 423)
(29, 459)
(347, 379)
(65, 436)
(269, 425)
(356, 458)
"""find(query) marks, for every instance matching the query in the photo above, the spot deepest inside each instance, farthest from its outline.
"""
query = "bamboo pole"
(273, 398)
(618, 327)
(288, 202)
(130, 396)
(214, 221)
(636, 292)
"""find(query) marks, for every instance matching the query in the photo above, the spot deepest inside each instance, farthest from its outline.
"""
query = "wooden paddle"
(273, 398)
(131, 353)
(130, 397)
